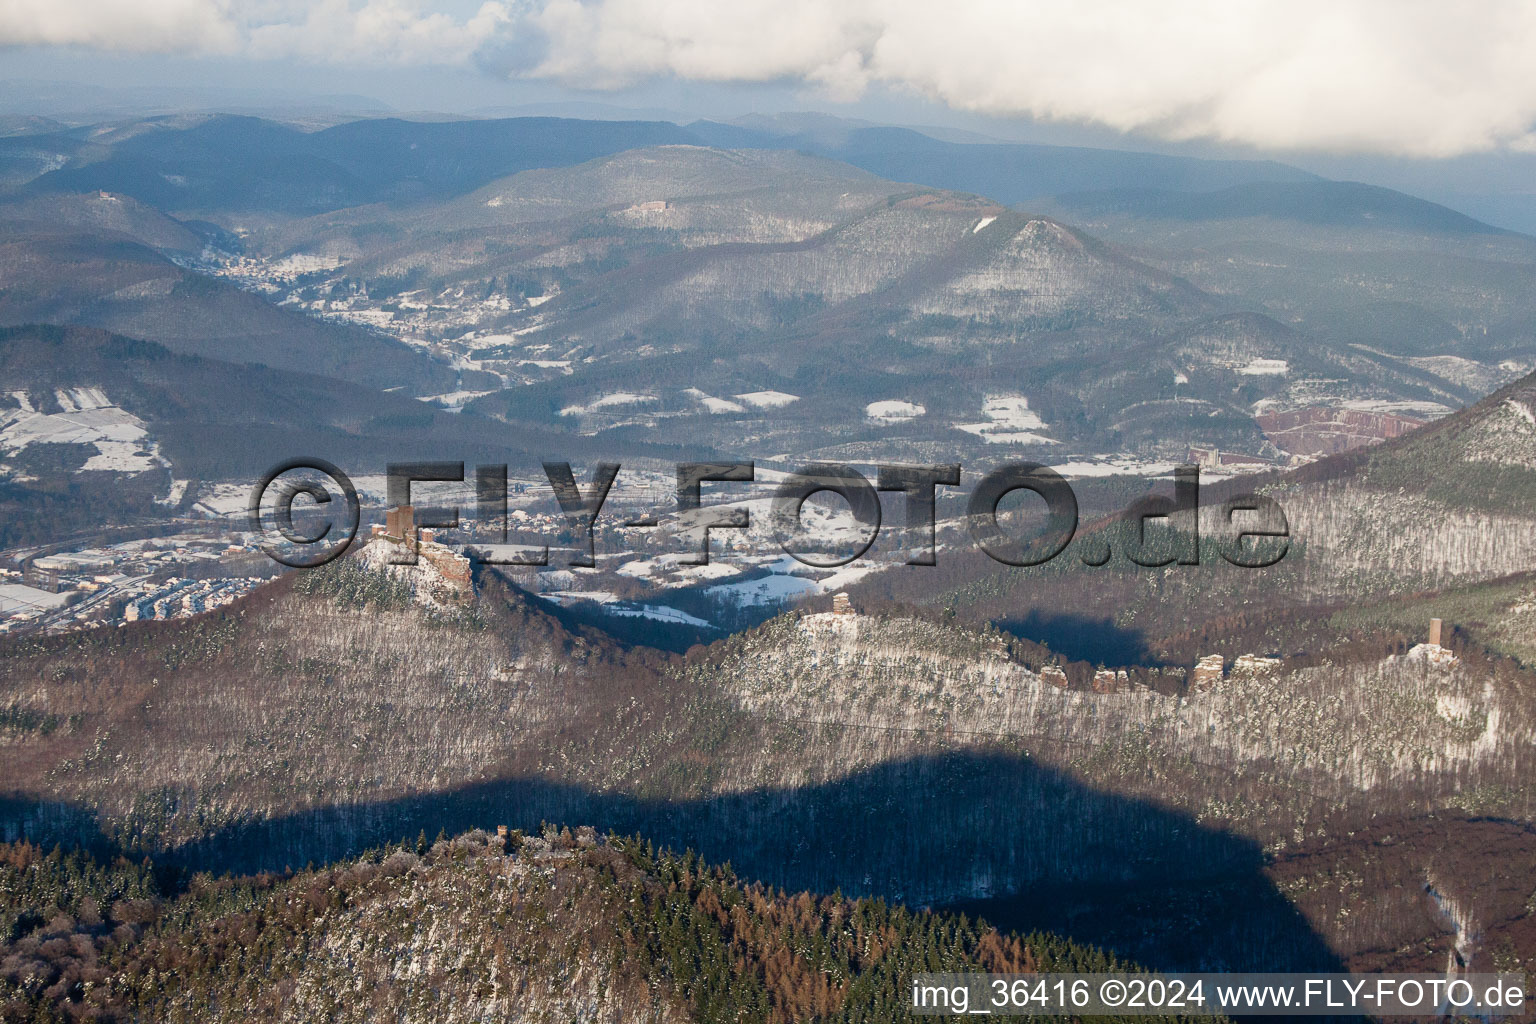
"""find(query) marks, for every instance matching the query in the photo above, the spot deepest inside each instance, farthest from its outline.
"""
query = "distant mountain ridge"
(236, 162)
(1011, 173)
(1333, 203)
(245, 163)
(637, 294)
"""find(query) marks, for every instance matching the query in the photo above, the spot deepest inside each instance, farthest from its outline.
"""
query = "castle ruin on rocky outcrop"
(400, 529)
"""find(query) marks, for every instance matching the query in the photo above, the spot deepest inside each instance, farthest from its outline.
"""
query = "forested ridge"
(479, 927)
(907, 758)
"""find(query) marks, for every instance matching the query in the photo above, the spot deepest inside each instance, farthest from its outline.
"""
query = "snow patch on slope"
(87, 417)
(1265, 368)
(768, 399)
(612, 401)
(893, 410)
(1009, 421)
(715, 405)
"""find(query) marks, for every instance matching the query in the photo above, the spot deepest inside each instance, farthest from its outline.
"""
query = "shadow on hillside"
(1082, 637)
(620, 623)
(919, 831)
(629, 629)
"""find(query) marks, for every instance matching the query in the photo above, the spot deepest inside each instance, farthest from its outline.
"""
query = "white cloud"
(155, 26)
(617, 42)
(380, 31)
(1415, 77)
(330, 31)
(1397, 76)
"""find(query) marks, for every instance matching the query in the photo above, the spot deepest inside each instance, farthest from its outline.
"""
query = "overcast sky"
(1389, 77)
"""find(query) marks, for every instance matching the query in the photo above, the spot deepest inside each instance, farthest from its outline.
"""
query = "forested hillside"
(1447, 507)
(480, 927)
(892, 756)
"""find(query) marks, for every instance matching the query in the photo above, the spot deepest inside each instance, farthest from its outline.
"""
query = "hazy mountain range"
(1184, 765)
(1155, 304)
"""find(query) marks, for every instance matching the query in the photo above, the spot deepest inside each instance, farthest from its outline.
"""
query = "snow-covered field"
(87, 416)
(667, 568)
(177, 491)
(661, 613)
(613, 401)
(505, 554)
(1009, 420)
(224, 500)
(18, 599)
(789, 579)
(768, 399)
(1433, 410)
(454, 401)
(893, 410)
(713, 404)
(1111, 465)
(565, 597)
(767, 590)
(612, 606)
